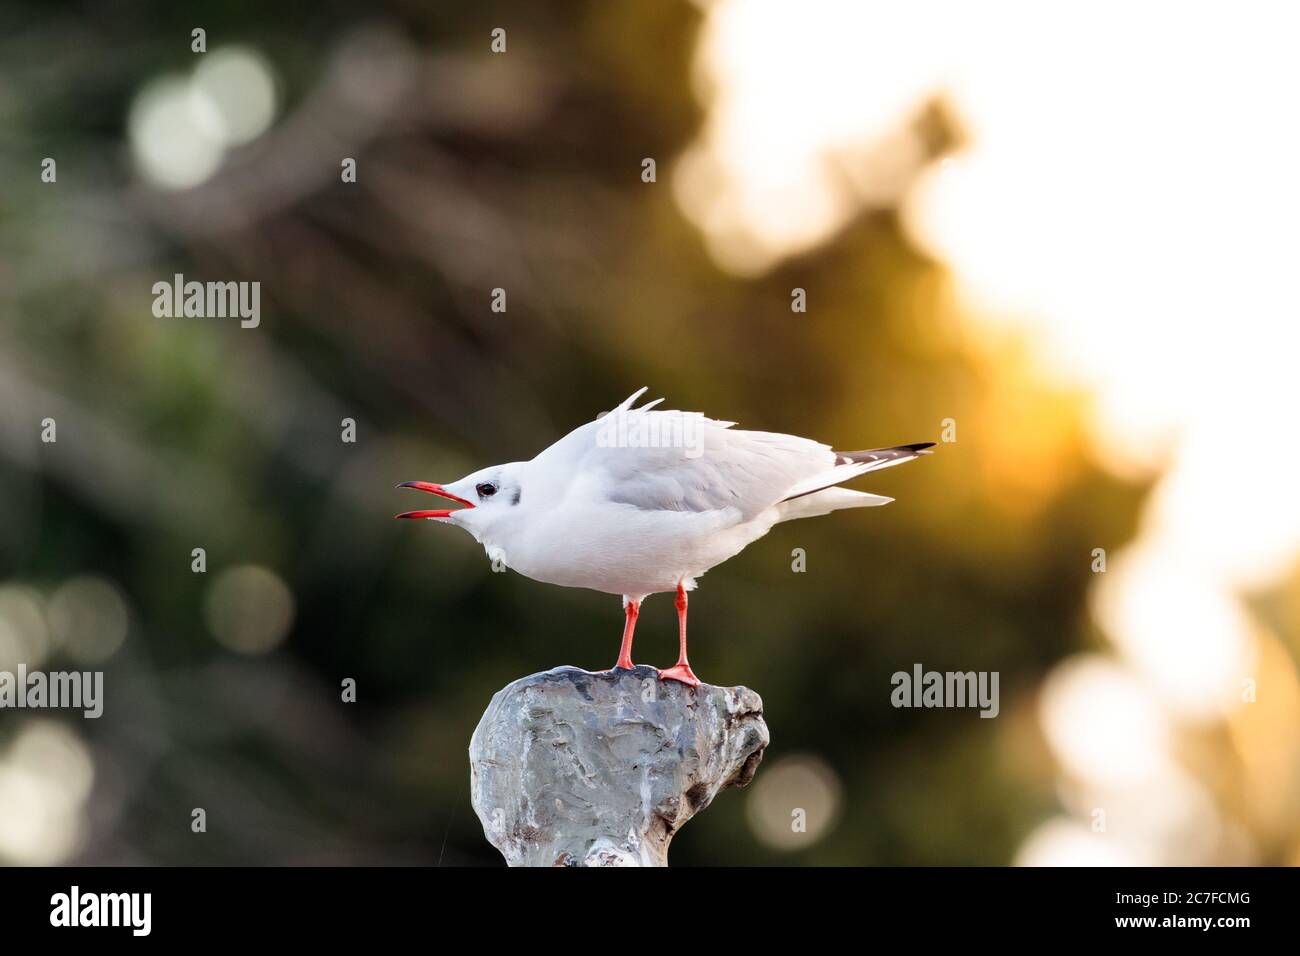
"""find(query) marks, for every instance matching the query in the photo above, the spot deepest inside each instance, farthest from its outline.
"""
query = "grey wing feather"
(715, 467)
(698, 464)
(748, 471)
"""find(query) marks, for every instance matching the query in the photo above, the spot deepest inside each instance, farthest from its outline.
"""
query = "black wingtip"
(884, 457)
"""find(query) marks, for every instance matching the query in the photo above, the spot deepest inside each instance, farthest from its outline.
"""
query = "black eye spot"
(485, 489)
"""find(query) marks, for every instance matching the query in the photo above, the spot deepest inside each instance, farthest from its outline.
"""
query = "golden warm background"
(1063, 237)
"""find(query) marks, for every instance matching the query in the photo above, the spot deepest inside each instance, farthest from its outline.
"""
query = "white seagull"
(640, 502)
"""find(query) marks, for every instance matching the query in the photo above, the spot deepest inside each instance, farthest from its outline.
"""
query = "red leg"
(681, 671)
(631, 609)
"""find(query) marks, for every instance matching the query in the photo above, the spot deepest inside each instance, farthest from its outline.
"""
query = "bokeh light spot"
(174, 134)
(24, 637)
(249, 609)
(88, 619)
(238, 84)
(45, 779)
(795, 802)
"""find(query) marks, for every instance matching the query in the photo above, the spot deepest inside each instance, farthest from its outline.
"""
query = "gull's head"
(486, 498)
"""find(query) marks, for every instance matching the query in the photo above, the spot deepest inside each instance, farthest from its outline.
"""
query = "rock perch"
(574, 768)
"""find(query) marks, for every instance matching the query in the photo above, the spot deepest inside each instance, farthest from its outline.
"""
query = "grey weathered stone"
(571, 767)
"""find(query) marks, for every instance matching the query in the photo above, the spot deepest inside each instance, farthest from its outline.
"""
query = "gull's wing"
(683, 461)
(748, 471)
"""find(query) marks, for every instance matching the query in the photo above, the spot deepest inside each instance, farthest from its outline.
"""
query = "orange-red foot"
(680, 672)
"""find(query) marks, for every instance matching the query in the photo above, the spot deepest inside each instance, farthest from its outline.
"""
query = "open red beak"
(432, 489)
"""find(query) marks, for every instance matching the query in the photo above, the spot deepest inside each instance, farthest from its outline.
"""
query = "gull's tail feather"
(817, 503)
